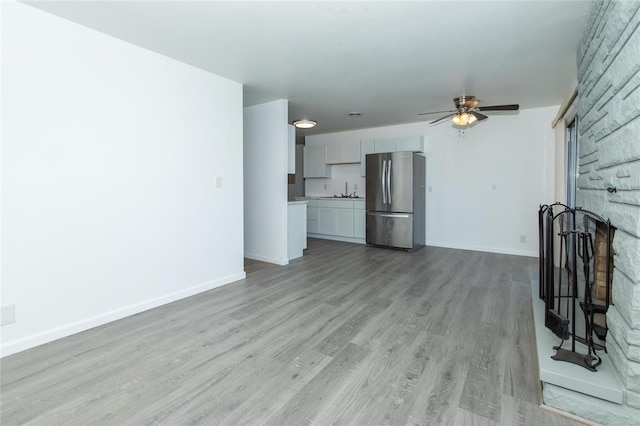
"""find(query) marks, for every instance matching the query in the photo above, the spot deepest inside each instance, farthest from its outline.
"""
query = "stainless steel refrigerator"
(395, 200)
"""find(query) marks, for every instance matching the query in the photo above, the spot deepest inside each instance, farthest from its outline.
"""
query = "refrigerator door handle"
(389, 182)
(389, 214)
(384, 172)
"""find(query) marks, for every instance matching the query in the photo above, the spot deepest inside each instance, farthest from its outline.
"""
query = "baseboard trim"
(281, 262)
(47, 336)
(337, 238)
(526, 253)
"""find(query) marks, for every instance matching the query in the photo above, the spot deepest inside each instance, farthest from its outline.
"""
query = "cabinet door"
(366, 147)
(359, 223)
(291, 149)
(333, 154)
(385, 145)
(325, 221)
(314, 165)
(343, 222)
(312, 213)
(351, 152)
(410, 143)
(312, 226)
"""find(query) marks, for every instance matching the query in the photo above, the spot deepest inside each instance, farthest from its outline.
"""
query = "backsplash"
(340, 173)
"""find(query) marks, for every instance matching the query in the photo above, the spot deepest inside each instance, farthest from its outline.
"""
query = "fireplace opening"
(576, 275)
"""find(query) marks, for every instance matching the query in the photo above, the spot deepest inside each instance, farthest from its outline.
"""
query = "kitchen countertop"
(297, 202)
(328, 197)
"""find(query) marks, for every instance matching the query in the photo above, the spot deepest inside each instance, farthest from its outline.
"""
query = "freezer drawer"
(390, 229)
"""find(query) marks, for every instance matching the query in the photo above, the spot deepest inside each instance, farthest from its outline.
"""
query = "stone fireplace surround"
(609, 184)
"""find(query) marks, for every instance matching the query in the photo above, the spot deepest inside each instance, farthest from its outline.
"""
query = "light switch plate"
(218, 181)
(8, 314)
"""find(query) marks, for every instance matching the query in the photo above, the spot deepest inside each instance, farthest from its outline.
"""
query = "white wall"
(514, 153)
(110, 155)
(265, 176)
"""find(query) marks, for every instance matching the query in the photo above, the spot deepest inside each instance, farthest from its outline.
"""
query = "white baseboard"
(528, 253)
(281, 262)
(31, 341)
(337, 238)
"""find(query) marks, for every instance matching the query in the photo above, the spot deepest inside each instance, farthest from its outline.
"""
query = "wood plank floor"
(346, 335)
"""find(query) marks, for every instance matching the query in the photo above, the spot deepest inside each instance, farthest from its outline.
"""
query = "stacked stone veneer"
(609, 157)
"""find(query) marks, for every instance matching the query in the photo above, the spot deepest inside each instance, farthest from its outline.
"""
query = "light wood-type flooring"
(346, 335)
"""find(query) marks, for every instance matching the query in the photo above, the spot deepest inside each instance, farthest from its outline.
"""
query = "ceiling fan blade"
(442, 118)
(436, 112)
(513, 107)
(479, 116)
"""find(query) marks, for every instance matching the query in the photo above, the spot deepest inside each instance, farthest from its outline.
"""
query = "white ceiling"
(388, 60)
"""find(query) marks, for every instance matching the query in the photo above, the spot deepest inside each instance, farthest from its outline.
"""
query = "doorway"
(571, 155)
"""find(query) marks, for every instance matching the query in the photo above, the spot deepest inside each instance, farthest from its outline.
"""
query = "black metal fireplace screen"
(575, 280)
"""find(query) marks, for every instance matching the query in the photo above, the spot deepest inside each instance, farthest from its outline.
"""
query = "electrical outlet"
(355, 186)
(430, 189)
(325, 186)
(8, 314)
(523, 239)
(494, 187)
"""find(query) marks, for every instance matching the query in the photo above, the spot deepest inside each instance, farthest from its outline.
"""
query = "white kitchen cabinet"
(343, 153)
(343, 222)
(326, 221)
(359, 219)
(407, 143)
(366, 147)
(291, 149)
(410, 143)
(336, 217)
(314, 162)
(312, 216)
(352, 152)
(384, 145)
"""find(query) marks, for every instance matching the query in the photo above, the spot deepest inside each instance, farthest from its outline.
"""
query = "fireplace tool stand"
(567, 281)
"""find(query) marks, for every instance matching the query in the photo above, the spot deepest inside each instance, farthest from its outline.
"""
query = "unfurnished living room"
(309, 212)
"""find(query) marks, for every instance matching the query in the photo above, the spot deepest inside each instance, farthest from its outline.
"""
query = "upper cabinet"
(371, 146)
(384, 145)
(410, 143)
(366, 147)
(314, 162)
(343, 153)
(291, 149)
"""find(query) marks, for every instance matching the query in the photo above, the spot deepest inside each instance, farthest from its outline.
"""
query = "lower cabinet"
(326, 221)
(336, 218)
(335, 221)
(343, 222)
(312, 216)
(359, 223)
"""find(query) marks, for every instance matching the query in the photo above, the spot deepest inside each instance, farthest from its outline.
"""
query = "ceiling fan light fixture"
(461, 119)
(305, 124)
(464, 119)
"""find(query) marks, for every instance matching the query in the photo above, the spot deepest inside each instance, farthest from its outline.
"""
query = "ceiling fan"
(467, 111)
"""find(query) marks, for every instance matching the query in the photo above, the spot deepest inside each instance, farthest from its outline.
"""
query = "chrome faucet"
(346, 189)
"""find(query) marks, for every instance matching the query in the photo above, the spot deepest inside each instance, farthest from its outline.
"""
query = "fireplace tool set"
(577, 280)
